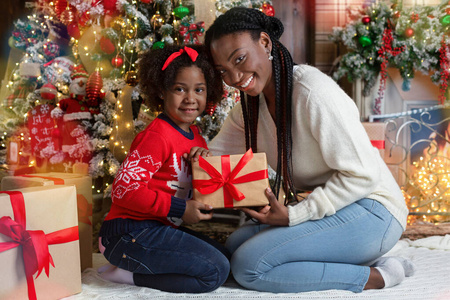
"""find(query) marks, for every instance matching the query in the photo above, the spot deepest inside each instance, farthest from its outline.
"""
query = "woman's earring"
(270, 57)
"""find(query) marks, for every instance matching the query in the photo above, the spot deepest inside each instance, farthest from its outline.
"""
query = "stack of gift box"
(45, 234)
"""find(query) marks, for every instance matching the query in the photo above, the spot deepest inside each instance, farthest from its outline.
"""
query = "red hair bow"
(191, 52)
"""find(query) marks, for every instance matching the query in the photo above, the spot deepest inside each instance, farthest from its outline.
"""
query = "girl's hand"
(275, 214)
(195, 153)
(193, 213)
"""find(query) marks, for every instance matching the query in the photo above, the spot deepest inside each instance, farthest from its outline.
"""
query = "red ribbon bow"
(228, 178)
(36, 255)
(189, 51)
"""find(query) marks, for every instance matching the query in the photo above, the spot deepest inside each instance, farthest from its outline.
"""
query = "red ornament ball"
(48, 91)
(94, 86)
(447, 11)
(117, 61)
(409, 32)
(268, 9)
(60, 6)
(366, 20)
(147, 1)
(73, 30)
(107, 46)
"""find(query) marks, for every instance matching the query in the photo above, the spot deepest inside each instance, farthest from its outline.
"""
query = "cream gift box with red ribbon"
(231, 180)
(39, 252)
(83, 185)
(377, 135)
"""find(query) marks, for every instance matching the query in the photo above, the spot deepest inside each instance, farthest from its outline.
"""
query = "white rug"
(431, 281)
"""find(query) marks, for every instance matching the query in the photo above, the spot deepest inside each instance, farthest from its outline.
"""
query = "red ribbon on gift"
(228, 178)
(84, 207)
(378, 144)
(35, 252)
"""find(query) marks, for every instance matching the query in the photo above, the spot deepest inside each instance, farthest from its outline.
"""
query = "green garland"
(418, 30)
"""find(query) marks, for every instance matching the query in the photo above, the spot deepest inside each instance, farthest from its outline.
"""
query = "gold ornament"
(157, 21)
(118, 24)
(131, 78)
(129, 31)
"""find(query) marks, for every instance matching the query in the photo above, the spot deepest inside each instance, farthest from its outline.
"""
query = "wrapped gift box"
(377, 135)
(38, 232)
(84, 202)
(231, 180)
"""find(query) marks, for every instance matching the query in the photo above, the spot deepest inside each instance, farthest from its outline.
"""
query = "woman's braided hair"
(253, 21)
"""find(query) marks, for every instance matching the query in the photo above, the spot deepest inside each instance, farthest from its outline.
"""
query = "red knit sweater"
(154, 181)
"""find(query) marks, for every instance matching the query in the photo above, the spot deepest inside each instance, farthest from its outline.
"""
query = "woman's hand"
(193, 213)
(195, 153)
(275, 214)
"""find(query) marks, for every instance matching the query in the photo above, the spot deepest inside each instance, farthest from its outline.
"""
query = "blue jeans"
(330, 253)
(168, 259)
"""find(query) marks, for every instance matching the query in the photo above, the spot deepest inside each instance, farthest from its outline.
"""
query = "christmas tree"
(79, 68)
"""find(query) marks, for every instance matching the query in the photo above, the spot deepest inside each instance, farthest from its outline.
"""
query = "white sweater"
(331, 153)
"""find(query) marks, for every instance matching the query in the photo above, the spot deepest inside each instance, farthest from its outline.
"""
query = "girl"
(151, 194)
(355, 212)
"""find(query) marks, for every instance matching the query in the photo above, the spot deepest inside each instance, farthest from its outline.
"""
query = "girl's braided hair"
(253, 21)
(153, 81)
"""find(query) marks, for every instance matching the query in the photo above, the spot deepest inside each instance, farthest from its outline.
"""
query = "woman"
(355, 212)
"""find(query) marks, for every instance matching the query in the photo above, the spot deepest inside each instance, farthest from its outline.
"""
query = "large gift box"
(231, 180)
(377, 135)
(83, 185)
(39, 252)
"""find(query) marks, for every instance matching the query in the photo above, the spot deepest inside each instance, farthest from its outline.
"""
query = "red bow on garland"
(191, 32)
(36, 255)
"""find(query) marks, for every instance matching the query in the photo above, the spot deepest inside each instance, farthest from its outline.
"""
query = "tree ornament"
(51, 49)
(157, 21)
(158, 45)
(118, 23)
(110, 6)
(94, 86)
(365, 41)
(447, 11)
(147, 1)
(84, 19)
(396, 14)
(129, 31)
(73, 30)
(48, 91)
(117, 61)
(268, 9)
(106, 45)
(366, 20)
(181, 11)
(210, 108)
(409, 32)
(68, 15)
(445, 20)
(60, 6)
(191, 32)
(414, 17)
(131, 78)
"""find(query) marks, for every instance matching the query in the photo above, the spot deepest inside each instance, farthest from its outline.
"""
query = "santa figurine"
(72, 115)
